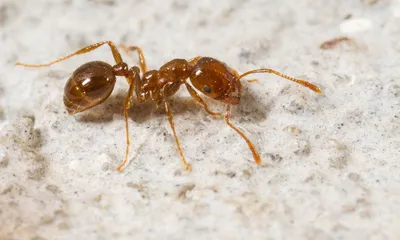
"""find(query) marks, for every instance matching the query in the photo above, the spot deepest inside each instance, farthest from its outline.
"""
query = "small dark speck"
(4, 163)
(231, 175)
(7, 11)
(38, 238)
(275, 157)
(315, 63)
(164, 134)
(179, 5)
(202, 23)
(104, 2)
(348, 16)
(67, 2)
(245, 54)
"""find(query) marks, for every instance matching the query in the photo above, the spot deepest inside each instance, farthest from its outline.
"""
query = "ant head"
(216, 80)
(89, 85)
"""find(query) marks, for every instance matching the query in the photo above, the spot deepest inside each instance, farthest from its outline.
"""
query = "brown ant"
(93, 82)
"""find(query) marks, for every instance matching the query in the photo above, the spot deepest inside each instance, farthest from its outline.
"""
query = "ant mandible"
(93, 82)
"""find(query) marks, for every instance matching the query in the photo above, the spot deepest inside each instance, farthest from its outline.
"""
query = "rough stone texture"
(330, 162)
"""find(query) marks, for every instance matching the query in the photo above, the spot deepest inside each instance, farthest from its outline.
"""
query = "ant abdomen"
(216, 80)
(89, 85)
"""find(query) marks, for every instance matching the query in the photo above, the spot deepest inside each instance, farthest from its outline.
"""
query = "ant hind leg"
(114, 50)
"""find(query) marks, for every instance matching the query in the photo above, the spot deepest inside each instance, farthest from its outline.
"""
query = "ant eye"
(207, 89)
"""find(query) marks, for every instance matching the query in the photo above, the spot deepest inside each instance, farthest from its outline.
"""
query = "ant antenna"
(267, 70)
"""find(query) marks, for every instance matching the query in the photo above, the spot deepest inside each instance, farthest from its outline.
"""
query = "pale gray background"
(331, 161)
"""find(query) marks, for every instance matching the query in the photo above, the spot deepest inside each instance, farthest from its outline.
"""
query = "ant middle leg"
(114, 50)
(256, 156)
(186, 165)
(199, 100)
(127, 106)
(142, 60)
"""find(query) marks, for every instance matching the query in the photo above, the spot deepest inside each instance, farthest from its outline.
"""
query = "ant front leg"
(114, 50)
(256, 156)
(198, 99)
(142, 60)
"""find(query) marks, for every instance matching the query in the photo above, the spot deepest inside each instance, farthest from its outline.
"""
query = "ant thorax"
(165, 81)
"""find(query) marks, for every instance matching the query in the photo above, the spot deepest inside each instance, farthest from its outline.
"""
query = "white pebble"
(74, 165)
(355, 25)
(396, 10)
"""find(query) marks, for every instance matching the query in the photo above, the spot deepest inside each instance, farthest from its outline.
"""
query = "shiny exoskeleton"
(89, 85)
(93, 82)
(210, 76)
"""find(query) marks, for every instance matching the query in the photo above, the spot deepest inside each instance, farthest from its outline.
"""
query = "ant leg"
(114, 50)
(253, 81)
(142, 60)
(198, 99)
(171, 123)
(301, 82)
(127, 105)
(133, 81)
(256, 156)
(194, 60)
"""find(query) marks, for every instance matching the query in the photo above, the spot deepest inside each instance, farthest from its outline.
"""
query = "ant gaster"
(93, 82)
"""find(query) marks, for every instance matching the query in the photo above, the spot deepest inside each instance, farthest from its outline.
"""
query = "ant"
(93, 82)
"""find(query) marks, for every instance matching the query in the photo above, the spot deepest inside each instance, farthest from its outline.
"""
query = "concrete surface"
(330, 162)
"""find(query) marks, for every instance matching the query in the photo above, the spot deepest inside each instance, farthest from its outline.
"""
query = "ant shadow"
(250, 109)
